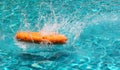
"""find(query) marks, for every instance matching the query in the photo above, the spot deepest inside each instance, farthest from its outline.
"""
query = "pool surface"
(91, 26)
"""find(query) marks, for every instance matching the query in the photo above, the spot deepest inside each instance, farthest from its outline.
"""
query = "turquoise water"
(91, 26)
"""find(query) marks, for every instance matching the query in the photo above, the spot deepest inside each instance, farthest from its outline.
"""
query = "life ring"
(38, 37)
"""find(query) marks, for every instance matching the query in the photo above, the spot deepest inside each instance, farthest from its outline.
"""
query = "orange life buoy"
(38, 37)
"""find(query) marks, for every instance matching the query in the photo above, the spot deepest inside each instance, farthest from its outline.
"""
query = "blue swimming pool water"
(91, 26)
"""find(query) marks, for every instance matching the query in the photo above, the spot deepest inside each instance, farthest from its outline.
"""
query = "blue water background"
(92, 28)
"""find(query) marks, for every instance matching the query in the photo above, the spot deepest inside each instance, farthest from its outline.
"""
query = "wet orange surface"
(38, 37)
